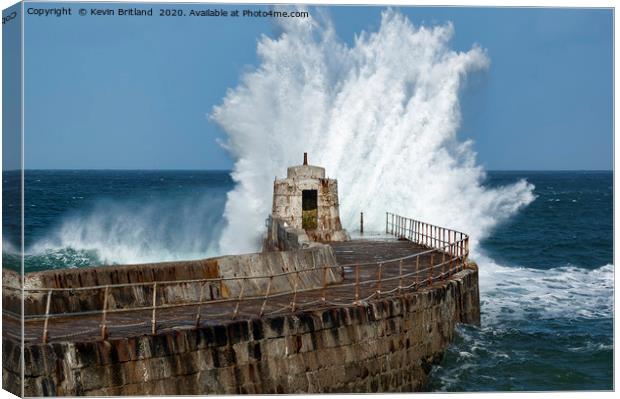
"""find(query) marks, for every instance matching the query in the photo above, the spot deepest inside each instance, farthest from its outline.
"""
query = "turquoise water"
(546, 274)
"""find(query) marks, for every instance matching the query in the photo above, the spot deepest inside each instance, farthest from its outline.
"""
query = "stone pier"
(383, 345)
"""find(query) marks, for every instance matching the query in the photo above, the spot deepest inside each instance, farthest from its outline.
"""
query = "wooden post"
(236, 311)
(104, 327)
(47, 313)
(357, 283)
(202, 288)
(262, 308)
(153, 320)
(361, 222)
(379, 280)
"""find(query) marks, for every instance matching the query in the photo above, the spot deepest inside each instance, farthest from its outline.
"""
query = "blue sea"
(546, 274)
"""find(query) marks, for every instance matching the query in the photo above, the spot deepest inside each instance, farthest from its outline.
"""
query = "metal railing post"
(417, 271)
(262, 308)
(47, 313)
(430, 269)
(357, 283)
(295, 291)
(443, 265)
(361, 222)
(462, 254)
(466, 248)
(323, 291)
(397, 225)
(153, 319)
(443, 239)
(198, 311)
(380, 271)
(451, 259)
(236, 311)
(104, 327)
(400, 276)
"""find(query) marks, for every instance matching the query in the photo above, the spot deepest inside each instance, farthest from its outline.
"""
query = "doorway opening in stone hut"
(309, 209)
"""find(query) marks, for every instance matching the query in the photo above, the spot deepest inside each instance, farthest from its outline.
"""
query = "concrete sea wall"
(387, 345)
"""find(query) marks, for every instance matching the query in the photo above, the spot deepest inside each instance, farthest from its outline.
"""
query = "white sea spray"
(381, 115)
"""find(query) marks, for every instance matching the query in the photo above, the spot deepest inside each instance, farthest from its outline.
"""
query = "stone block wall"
(387, 345)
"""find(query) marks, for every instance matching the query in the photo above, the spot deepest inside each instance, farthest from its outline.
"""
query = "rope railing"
(444, 253)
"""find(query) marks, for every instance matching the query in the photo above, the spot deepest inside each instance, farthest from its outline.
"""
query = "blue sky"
(134, 93)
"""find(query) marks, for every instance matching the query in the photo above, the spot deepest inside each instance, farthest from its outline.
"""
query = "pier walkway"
(416, 255)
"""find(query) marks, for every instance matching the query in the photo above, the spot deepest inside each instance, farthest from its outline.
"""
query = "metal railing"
(427, 235)
(443, 253)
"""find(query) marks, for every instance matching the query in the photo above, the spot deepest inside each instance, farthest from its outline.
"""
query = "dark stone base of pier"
(385, 345)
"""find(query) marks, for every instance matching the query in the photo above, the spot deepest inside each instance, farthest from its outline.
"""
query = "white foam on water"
(567, 292)
(381, 115)
(142, 231)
